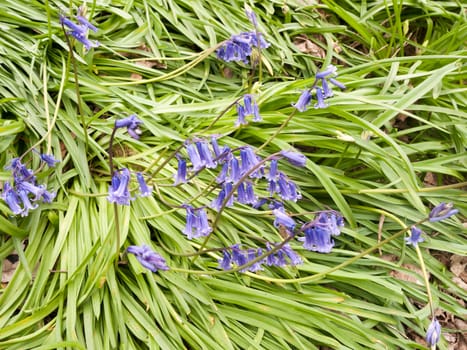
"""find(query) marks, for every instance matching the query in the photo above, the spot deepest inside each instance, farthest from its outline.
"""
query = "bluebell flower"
(286, 188)
(330, 70)
(30, 188)
(226, 190)
(415, 236)
(118, 190)
(27, 205)
(294, 258)
(223, 173)
(197, 224)
(148, 258)
(251, 255)
(225, 263)
(180, 177)
(12, 199)
(238, 256)
(132, 124)
(195, 158)
(49, 160)
(319, 232)
(273, 174)
(216, 149)
(246, 194)
(320, 99)
(303, 101)
(235, 172)
(239, 47)
(442, 211)
(337, 83)
(278, 257)
(80, 31)
(433, 333)
(249, 160)
(205, 154)
(144, 189)
(251, 16)
(241, 120)
(294, 158)
(281, 218)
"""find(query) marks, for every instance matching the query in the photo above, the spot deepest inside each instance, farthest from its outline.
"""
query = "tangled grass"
(383, 153)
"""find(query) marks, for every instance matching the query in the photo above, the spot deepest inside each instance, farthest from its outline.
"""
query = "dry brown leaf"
(305, 45)
(8, 270)
(400, 275)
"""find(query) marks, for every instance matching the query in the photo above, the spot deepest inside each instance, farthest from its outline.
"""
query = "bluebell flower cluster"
(249, 107)
(148, 258)
(119, 191)
(234, 255)
(80, 31)
(321, 92)
(240, 46)
(319, 232)
(24, 193)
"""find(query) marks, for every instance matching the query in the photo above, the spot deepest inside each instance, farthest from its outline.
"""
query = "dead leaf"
(400, 275)
(305, 45)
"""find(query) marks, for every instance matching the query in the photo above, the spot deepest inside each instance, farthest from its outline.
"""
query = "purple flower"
(241, 120)
(11, 198)
(131, 123)
(235, 173)
(278, 257)
(320, 98)
(225, 262)
(337, 83)
(197, 224)
(433, 333)
(249, 161)
(239, 47)
(327, 91)
(252, 254)
(251, 16)
(272, 175)
(330, 70)
(246, 194)
(49, 160)
(442, 211)
(224, 192)
(148, 258)
(205, 154)
(80, 31)
(318, 232)
(238, 256)
(303, 101)
(295, 259)
(194, 157)
(281, 218)
(118, 190)
(415, 236)
(286, 188)
(215, 148)
(294, 158)
(181, 171)
(143, 187)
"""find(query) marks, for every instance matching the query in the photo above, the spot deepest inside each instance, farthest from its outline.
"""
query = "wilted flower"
(415, 236)
(131, 123)
(433, 332)
(148, 258)
(442, 211)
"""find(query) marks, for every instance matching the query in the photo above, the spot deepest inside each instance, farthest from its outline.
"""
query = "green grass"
(403, 116)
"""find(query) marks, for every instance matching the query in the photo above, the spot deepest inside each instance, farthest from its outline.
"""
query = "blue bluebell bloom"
(144, 189)
(118, 189)
(320, 99)
(281, 218)
(442, 211)
(294, 158)
(49, 160)
(303, 101)
(319, 232)
(249, 107)
(148, 258)
(239, 47)
(80, 31)
(415, 236)
(181, 177)
(197, 224)
(132, 124)
(251, 15)
(433, 333)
